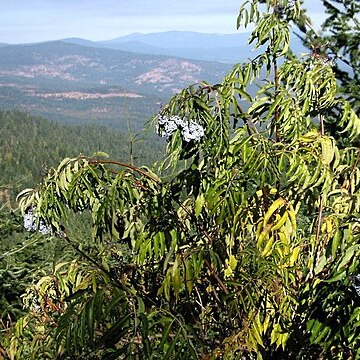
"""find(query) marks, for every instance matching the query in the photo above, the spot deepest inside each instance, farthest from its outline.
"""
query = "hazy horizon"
(28, 21)
(130, 34)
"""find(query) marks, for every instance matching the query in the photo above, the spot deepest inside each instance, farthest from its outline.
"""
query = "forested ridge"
(30, 145)
(242, 242)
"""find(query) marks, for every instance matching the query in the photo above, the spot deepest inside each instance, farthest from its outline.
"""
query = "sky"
(25, 21)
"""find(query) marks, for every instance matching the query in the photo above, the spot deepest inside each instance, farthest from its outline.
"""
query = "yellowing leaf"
(228, 272)
(274, 206)
(294, 255)
(327, 150)
(268, 248)
(232, 261)
(280, 222)
(199, 203)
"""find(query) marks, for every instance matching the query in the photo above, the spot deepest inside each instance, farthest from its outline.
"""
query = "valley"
(77, 84)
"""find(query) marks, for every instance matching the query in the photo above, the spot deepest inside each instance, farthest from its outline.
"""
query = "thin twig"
(276, 82)
(219, 281)
(113, 162)
(95, 263)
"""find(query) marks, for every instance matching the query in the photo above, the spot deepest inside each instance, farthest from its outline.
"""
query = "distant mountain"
(184, 39)
(227, 48)
(227, 55)
(83, 42)
(75, 83)
(66, 64)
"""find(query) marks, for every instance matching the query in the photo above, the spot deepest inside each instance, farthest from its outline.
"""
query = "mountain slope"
(76, 84)
(77, 64)
(29, 145)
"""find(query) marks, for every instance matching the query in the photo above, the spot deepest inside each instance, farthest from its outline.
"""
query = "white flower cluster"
(30, 222)
(166, 126)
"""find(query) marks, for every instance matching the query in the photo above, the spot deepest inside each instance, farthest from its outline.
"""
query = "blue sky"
(23, 21)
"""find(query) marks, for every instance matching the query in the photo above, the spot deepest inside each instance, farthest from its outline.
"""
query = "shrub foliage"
(243, 243)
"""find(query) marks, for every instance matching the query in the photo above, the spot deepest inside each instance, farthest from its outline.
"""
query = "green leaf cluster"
(244, 244)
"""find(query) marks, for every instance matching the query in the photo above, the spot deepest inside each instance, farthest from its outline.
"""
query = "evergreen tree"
(338, 43)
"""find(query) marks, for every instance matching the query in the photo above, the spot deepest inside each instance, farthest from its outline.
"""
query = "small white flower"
(29, 221)
(193, 131)
(44, 229)
(161, 120)
(170, 127)
(30, 218)
(179, 122)
(166, 126)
